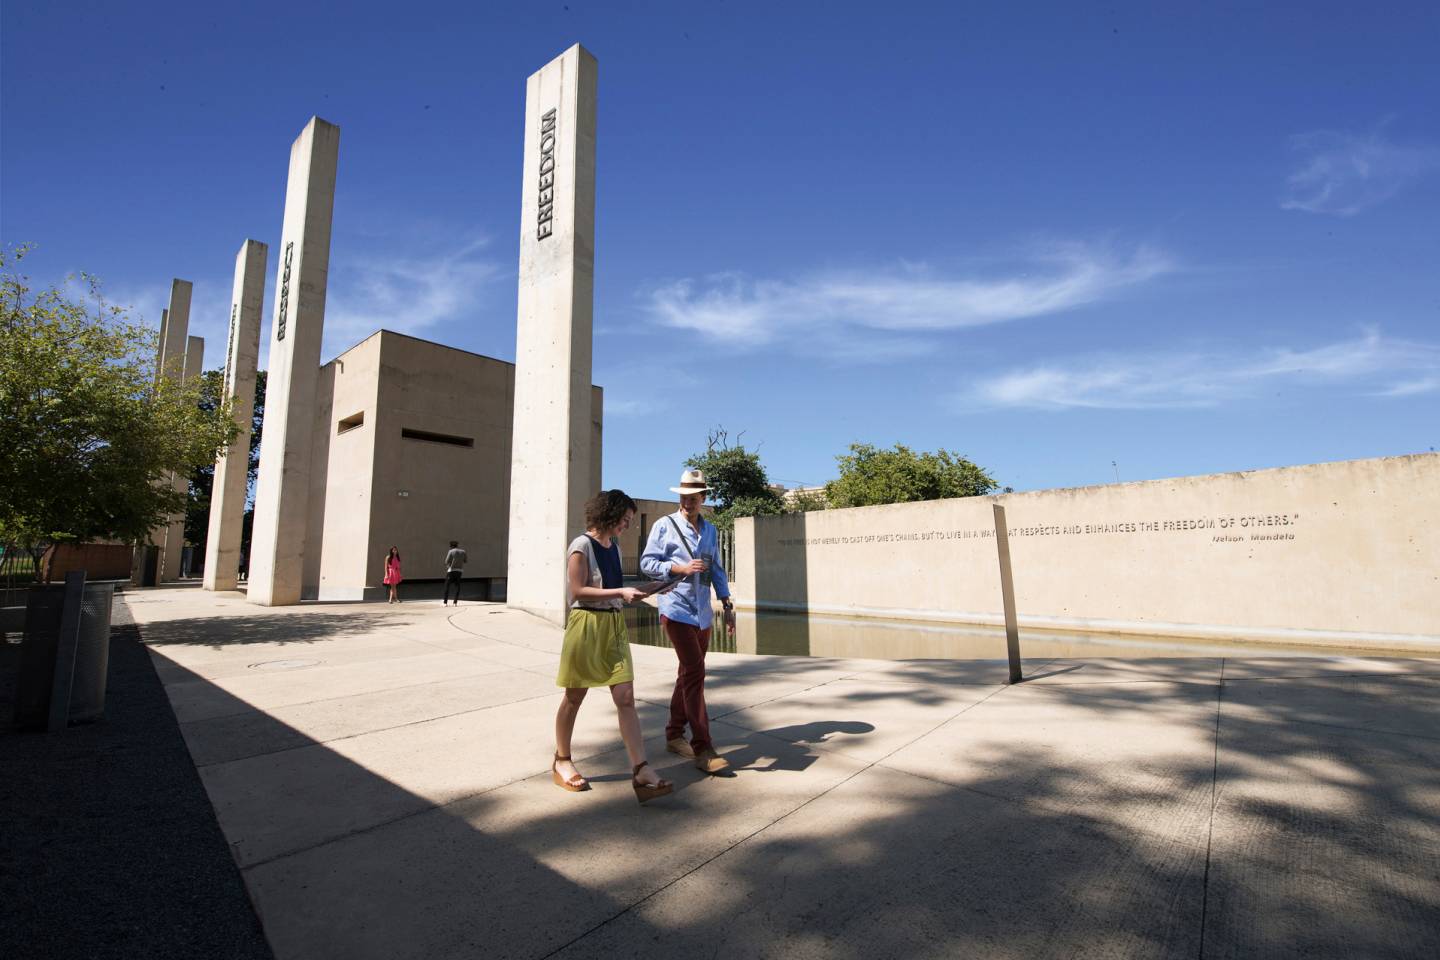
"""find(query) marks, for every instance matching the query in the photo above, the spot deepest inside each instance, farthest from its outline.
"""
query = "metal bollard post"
(1007, 594)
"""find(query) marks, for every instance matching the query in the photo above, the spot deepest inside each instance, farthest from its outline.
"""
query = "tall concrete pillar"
(550, 459)
(160, 347)
(194, 364)
(174, 328)
(282, 489)
(242, 352)
(170, 364)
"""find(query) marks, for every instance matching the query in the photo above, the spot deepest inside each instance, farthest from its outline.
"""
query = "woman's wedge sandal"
(647, 791)
(575, 784)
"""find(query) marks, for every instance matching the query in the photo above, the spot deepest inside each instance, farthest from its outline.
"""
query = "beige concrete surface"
(381, 773)
(232, 467)
(173, 363)
(411, 449)
(282, 484)
(171, 554)
(1325, 553)
(556, 423)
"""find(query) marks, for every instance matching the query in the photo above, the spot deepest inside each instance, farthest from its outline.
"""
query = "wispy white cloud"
(1410, 388)
(405, 293)
(1344, 174)
(619, 407)
(1371, 364)
(852, 315)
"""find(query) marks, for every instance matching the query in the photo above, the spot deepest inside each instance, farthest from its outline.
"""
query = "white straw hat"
(691, 481)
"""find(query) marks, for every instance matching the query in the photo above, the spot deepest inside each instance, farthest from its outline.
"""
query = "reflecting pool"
(827, 636)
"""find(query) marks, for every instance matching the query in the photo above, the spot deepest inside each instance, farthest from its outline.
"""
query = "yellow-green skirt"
(596, 651)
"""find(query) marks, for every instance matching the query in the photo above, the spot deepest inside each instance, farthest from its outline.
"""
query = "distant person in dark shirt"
(455, 562)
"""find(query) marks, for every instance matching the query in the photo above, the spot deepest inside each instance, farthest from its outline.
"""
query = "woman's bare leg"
(624, 696)
(565, 727)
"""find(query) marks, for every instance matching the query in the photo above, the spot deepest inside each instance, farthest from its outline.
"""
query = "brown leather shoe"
(680, 747)
(711, 762)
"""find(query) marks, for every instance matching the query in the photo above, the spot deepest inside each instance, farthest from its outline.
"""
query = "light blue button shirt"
(690, 601)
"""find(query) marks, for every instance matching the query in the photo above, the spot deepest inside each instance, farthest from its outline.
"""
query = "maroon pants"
(687, 704)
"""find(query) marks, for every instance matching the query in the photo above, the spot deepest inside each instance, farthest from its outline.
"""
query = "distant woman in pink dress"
(392, 573)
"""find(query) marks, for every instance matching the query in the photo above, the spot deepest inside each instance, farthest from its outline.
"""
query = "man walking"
(684, 545)
(455, 562)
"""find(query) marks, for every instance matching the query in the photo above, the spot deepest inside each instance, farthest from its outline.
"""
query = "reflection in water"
(643, 624)
(821, 636)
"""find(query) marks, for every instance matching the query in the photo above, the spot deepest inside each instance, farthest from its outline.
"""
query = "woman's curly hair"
(606, 509)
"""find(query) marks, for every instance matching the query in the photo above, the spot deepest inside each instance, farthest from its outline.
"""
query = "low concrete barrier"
(1334, 553)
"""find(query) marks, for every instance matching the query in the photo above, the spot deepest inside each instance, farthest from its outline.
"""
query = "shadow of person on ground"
(786, 748)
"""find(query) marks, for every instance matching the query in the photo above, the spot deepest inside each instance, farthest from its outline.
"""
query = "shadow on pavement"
(1063, 820)
(110, 848)
(278, 628)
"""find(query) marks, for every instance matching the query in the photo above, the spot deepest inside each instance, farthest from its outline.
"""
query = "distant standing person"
(392, 574)
(455, 562)
(685, 545)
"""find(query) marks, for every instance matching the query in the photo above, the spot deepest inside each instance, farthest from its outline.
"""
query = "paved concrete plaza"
(381, 774)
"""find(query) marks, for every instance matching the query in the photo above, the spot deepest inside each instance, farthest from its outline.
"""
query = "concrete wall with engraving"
(1336, 553)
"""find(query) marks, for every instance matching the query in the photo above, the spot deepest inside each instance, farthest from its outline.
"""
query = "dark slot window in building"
(454, 441)
(350, 423)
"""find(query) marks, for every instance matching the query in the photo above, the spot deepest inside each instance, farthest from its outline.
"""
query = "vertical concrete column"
(170, 364)
(160, 347)
(242, 352)
(174, 328)
(193, 365)
(550, 468)
(282, 489)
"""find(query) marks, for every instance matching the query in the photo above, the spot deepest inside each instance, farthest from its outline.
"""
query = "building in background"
(412, 450)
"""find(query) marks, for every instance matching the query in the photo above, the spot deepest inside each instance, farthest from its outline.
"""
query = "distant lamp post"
(1117, 471)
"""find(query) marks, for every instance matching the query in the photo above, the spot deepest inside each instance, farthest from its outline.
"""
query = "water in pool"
(825, 636)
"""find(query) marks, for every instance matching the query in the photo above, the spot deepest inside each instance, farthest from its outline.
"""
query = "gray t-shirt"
(585, 548)
(455, 559)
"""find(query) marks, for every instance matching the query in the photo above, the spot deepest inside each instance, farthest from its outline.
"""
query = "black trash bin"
(43, 614)
(147, 562)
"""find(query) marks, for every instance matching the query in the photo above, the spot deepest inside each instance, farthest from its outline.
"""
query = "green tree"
(804, 501)
(87, 430)
(870, 476)
(737, 480)
(202, 479)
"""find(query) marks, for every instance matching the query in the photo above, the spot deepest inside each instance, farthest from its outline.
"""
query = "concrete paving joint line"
(345, 696)
(1214, 799)
(366, 733)
(869, 765)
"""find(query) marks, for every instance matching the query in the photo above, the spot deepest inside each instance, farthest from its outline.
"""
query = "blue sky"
(1181, 239)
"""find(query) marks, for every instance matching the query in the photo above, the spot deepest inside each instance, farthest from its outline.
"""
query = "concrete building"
(411, 448)
(793, 495)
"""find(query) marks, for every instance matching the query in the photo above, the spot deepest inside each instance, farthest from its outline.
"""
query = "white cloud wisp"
(404, 294)
(851, 315)
(1371, 364)
(1343, 174)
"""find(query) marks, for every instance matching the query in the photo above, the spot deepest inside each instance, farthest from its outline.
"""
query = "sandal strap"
(558, 758)
(642, 763)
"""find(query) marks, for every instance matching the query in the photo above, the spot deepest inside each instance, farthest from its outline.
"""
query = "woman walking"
(596, 651)
(392, 574)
